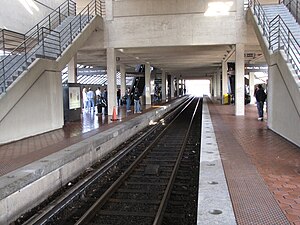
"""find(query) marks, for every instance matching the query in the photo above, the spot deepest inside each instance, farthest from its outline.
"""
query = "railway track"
(147, 182)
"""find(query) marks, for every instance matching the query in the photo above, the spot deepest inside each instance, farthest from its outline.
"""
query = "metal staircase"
(281, 31)
(47, 40)
(294, 7)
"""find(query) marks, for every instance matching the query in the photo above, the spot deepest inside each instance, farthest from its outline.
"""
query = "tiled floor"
(276, 160)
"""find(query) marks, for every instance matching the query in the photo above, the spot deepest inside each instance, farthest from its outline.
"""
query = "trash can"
(226, 99)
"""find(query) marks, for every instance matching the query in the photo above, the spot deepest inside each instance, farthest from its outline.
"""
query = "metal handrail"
(44, 43)
(8, 41)
(67, 8)
(279, 36)
(294, 7)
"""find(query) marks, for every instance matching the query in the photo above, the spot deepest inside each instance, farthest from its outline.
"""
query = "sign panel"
(74, 97)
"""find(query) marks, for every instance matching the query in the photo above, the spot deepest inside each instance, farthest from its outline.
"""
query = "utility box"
(226, 99)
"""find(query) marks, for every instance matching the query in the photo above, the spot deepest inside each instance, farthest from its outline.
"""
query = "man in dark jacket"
(260, 96)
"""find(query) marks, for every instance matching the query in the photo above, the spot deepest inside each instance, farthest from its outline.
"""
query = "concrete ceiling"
(192, 62)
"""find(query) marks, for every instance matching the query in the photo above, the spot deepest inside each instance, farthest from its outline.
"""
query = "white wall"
(14, 16)
(283, 101)
(43, 102)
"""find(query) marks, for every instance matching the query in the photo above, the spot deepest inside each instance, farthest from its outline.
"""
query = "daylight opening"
(198, 87)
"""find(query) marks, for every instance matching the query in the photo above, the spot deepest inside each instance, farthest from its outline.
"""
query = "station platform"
(261, 168)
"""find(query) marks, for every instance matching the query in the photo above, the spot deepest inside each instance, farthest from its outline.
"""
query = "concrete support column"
(72, 70)
(111, 80)
(251, 87)
(214, 85)
(147, 84)
(224, 79)
(163, 86)
(172, 86)
(123, 79)
(218, 83)
(109, 15)
(239, 80)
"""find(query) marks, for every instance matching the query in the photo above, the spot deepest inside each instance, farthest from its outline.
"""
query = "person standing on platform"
(128, 101)
(118, 96)
(261, 97)
(136, 97)
(105, 105)
(90, 96)
(98, 100)
(84, 99)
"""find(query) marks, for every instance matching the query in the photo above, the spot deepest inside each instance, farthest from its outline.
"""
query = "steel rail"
(79, 188)
(103, 199)
(163, 204)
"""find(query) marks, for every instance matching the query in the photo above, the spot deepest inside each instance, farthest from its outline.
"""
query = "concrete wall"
(145, 23)
(43, 102)
(283, 100)
(159, 7)
(14, 16)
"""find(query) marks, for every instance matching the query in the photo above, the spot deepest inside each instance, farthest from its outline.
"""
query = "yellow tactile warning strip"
(257, 183)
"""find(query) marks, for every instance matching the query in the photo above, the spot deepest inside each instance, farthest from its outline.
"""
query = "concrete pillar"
(172, 86)
(72, 70)
(163, 86)
(109, 15)
(214, 85)
(239, 80)
(251, 87)
(224, 79)
(147, 84)
(218, 83)
(111, 80)
(123, 79)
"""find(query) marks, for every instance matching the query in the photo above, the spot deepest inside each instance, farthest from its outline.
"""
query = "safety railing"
(279, 36)
(10, 40)
(294, 7)
(55, 18)
(45, 43)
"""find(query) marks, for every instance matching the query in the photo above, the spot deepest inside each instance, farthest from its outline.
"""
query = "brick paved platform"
(259, 157)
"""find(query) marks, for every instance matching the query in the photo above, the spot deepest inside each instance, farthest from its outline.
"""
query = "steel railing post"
(59, 17)
(3, 42)
(95, 7)
(71, 32)
(3, 69)
(43, 44)
(49, 20)
(297, 6)
(68, 8)
(80, 24)
(25, 50)
(60, 44)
